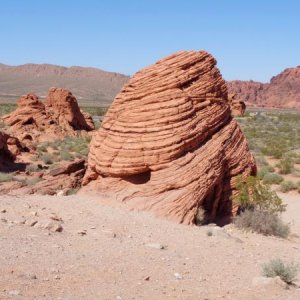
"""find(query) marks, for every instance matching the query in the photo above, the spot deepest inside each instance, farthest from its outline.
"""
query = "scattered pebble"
(54, 227)
(14, 293)
(178, 276)
(3, 211)
(31, 222)
(156, 246)
(82, 232)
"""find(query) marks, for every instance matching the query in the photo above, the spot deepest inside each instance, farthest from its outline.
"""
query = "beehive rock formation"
(59, 116)
(169, 144)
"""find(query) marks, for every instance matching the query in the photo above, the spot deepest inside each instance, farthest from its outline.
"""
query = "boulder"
(169, 144)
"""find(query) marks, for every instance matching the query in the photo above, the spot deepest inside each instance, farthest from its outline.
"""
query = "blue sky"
(250, 39)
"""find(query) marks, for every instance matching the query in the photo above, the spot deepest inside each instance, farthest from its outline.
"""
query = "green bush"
(272, 178)
(254, 195)
(276, 267)
(287, 186)
(262, 222)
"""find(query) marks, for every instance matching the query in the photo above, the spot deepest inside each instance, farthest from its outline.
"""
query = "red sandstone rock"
(283, 91)
(10, 147)
(67, 176)
(237, 107)
(58, 117)
(64, 110)
(168, 142)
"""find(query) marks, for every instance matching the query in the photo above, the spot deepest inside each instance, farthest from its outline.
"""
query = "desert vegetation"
(274, 139)
(277, 267)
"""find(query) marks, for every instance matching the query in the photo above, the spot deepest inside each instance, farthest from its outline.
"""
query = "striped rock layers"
(36, 121)
(168, 143)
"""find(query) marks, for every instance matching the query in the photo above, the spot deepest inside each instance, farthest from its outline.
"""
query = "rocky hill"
(90, 85)
(283, 90)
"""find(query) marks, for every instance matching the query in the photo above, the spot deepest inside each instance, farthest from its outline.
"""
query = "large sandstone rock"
(57, 117)
(169, 144)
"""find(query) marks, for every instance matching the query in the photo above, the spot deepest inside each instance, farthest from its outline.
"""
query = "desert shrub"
(276, 267)
(274, 149)
(4, 177)
(254, 195)
(261, 161)
(285, 165)
(209, 232)
(6, 108)
(272, 178)
(264, 170)
(72, 191)
(42, 148)
(287, 186)
(95, 111)
(47, 159)
(65, 155)
(296, 173)
(32, 168)
(263, 222)
(33, 180)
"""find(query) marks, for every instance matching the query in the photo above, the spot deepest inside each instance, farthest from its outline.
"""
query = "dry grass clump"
(272, 178)
(259, 208)
(276, 267)
(287, 186)
(262, 222)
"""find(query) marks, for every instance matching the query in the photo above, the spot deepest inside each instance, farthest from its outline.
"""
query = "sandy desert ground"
(105, 251)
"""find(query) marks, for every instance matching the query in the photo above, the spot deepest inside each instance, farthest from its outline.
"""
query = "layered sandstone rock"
(169, 144)
(59, 116)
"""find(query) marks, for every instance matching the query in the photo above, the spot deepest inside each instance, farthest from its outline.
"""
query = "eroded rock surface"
(59, 116)
(169, 144)
(237, 106)
(10, 147)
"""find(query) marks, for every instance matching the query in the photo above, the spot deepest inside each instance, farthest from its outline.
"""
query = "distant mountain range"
(96, 87)
(283, 90)
(91, 86)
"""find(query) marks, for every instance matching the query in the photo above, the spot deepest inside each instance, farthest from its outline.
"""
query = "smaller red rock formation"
(237, 107)
(64, 110)
(58, 116)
